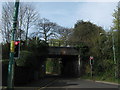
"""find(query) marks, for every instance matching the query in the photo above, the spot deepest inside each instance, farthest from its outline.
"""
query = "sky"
(62, 0)
(0, 22)
(67, 13)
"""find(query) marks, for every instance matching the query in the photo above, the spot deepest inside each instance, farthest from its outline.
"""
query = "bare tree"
(0, 34)
(46, 29)
(7, 11)
(31, 16)
(26, 19)
(65, 33)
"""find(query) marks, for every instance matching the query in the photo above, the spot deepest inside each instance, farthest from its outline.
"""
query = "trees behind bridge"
(100, 44)
(87, 35)
(91, 40)
(116, 33)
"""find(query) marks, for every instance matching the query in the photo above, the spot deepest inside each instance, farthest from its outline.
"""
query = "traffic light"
(17, 49)
(91, 60)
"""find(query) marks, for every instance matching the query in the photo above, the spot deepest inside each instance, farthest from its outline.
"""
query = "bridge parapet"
(63, 51)
(63, 43)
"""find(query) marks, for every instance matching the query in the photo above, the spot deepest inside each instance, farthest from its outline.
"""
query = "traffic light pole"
(11, 57)
(91, 71)
(91, 65)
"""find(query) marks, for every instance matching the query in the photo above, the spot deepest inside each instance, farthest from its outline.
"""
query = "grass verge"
(101, 78)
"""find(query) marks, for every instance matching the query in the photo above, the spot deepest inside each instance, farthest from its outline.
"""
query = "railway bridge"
(69, 57)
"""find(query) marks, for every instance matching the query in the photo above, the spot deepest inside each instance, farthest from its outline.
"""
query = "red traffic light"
(17, 42)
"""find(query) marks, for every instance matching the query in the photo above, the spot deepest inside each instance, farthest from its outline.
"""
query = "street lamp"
(114, 54)
(118, 13)
(113, 44)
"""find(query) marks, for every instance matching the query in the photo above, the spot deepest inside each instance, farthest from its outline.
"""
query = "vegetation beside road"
(28, 64)
(102, 78)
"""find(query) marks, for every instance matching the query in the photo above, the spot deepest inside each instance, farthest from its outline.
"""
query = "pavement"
(105, 82)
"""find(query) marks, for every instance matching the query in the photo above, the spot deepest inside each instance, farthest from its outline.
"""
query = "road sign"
(91, 60)
(91, 57)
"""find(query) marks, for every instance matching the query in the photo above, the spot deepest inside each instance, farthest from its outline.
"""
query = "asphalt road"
(68, 84)
(79, 83)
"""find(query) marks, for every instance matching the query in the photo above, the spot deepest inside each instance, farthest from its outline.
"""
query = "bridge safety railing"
(63, 43)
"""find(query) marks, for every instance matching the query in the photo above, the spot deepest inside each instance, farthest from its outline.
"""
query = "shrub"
(5, 50)
(25, 58)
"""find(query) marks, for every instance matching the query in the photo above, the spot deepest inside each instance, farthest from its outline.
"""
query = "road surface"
(79, 83)
(57, 83)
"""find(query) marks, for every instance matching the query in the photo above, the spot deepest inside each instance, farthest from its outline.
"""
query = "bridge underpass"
(69, 58)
